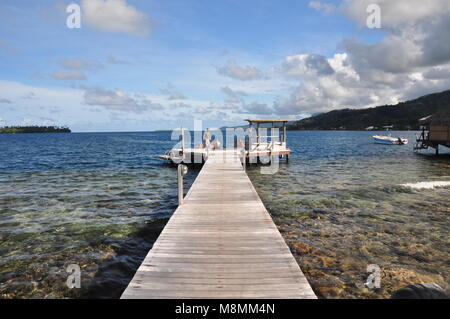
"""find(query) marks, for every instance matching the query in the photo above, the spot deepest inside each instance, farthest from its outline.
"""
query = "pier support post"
(244, 158)
(182, 171)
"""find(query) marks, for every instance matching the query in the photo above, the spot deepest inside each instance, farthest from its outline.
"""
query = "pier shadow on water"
(115, 273)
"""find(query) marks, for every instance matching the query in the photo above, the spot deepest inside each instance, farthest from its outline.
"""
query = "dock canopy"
(267, 121)
(274, 143)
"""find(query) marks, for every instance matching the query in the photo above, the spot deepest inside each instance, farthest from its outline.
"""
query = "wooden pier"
(220, 243)
(435, 131)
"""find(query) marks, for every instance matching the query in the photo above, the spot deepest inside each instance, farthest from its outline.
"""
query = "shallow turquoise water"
(340, 205)
(99, 200)
(96, 200)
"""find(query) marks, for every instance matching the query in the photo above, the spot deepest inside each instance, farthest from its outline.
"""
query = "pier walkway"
(220, 243)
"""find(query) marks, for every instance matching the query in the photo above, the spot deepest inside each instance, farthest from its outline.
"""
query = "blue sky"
(144, 65)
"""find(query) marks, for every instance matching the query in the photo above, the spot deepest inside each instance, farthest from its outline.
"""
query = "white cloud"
(49, 96)
(27, 121)
(118, 100)
(113, 60)
(233, 96)
(306, 64)
(220, 106)
(78, 64)
(8, 49)
(115, 16)
(68, 76)
(180, 105)
(85, 108)
(437, 73)
(397, 12)
(39, 102)
(74, 64)
(172, 94)
(417, 35)
(29, 96)
(257, 108)
(321, 6)
(176, 96)
(345, 88)
(411, 60)
(201, 110)
(5, 101)
(243, 73)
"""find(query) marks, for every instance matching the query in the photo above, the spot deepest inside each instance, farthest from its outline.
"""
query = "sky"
(137, 65)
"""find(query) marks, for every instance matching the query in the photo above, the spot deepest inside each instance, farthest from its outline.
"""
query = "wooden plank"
(148, 271)
(216, 281)
(212, 294)
(213, 270)
(221, 243)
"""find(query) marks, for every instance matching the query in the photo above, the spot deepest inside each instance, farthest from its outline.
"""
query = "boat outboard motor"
(400, 142)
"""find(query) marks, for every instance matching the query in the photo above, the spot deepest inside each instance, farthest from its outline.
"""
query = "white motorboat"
(389, 140)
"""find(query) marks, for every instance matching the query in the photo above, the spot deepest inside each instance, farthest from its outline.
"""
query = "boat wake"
(427, 185)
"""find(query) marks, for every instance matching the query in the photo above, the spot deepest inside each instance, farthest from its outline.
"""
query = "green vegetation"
(34, 129)
(402, 116)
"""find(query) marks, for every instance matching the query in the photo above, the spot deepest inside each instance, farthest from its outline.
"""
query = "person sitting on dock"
(207, 138)
(216, 144)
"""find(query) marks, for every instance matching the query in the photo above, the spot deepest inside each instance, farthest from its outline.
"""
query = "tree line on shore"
(403, 116)
(34, 129)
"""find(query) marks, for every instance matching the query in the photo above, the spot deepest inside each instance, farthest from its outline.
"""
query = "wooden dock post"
(221, 243)
(244, 158)
(182, 170)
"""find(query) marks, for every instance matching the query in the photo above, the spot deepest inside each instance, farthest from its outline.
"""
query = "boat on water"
(389, 140)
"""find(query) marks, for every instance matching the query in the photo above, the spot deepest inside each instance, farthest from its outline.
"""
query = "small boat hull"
(389, 140)
(187, 156)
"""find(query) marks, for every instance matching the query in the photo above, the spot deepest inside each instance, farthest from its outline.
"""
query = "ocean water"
(100, 200)
(96, 200)
(342, 204)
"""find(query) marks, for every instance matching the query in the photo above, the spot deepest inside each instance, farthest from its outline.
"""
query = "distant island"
(403, 116)
(33, 129)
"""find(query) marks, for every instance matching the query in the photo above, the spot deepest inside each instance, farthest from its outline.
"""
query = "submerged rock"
(421, 291)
